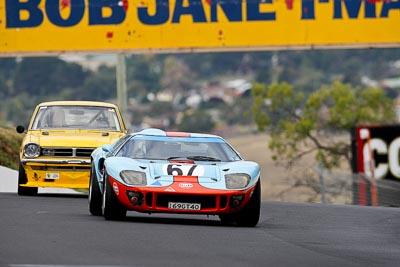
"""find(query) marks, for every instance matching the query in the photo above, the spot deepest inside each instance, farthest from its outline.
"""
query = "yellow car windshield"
(76, 117)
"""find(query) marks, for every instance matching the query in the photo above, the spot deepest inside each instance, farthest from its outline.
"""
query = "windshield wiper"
(176, 158)
(203, 158)
(197, 158)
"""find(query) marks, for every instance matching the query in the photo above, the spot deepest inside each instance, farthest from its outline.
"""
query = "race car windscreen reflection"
(166, 148)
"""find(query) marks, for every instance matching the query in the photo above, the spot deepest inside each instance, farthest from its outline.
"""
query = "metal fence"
(314, 184)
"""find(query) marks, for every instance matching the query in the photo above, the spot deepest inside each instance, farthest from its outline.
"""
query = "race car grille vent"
(149, 199)
(67, 152)
(207, 202)
(223, 202)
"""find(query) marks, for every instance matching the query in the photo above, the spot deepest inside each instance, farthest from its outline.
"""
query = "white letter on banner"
(394, 157)
(381, 148)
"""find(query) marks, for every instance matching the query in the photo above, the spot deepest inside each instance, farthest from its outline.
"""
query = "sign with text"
(377, 151)
(376, 163)
(56, 26)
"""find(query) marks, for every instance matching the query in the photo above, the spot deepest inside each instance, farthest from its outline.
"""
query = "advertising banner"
(376, 163)
(57, 26)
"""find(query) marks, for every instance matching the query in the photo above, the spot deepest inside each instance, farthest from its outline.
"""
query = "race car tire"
(22, 179)
(112, 209)
(95, 198)
(249, 215)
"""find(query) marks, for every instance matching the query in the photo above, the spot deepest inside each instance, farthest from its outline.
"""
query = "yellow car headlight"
(31, 150)
(134, 177)
(236, 180)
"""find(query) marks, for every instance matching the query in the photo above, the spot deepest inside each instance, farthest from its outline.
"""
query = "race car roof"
(159, 132)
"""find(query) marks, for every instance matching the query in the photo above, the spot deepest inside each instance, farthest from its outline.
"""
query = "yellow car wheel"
(22, 179)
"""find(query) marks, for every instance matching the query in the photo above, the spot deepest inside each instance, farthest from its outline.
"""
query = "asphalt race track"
(57, 230)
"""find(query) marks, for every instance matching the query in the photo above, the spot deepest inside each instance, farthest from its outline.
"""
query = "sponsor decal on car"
(185, 185)
(115, 187)
(169, 189)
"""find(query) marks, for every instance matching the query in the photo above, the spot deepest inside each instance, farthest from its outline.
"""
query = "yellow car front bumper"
(57, 175)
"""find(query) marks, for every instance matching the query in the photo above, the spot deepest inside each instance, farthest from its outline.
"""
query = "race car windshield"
(197, 149)
(76, 117)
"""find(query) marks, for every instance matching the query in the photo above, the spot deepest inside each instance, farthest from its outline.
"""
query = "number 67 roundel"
(183, 169)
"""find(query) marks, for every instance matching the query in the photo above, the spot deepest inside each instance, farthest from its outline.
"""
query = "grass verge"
(10, 142)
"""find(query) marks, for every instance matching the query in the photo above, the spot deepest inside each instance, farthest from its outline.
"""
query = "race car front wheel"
(22, 179)
(111, 207)
(94, 194)
(249, 215)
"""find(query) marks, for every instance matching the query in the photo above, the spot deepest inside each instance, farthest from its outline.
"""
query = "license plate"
(184, 206)
(52, 176)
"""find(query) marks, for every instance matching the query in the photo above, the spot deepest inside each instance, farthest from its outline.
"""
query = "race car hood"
(71, 138)
(159, 171)
(204, 171)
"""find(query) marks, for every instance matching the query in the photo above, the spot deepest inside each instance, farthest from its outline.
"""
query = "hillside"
(10, 142)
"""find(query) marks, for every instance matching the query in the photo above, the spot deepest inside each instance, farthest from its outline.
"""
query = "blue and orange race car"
(174, 172)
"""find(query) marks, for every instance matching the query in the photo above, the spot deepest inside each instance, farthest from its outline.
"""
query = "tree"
(238, 112)
(100, 85)
(7, 69)
(196, 121)
(43, 76)
(177, 78)
(300, 125)
(143, 75)
(19, 108)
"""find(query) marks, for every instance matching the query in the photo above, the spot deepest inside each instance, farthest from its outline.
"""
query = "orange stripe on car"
(178, 134)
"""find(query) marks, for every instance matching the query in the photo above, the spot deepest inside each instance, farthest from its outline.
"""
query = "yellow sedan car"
(56, 148)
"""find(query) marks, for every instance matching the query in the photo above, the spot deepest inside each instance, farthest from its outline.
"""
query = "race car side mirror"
(106, 148)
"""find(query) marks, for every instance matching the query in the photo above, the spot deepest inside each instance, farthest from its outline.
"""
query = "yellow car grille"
(67, 152)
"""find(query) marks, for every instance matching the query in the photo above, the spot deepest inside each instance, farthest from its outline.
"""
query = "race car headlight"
(31, 150)
(236, 180)
(134, 177)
